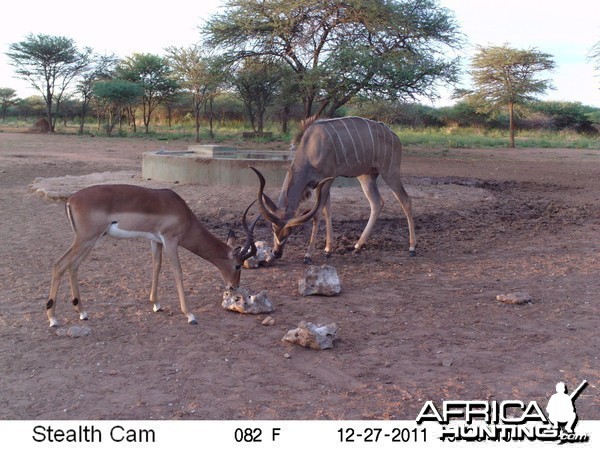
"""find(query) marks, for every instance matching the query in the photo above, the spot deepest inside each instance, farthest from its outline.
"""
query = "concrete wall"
(189, 168)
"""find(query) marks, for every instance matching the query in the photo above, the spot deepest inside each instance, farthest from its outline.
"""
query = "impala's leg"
(77, 258)
(406, 204)
(57, 272)
(156, 248)
(171, 250)
(369, 186)
(69, 261)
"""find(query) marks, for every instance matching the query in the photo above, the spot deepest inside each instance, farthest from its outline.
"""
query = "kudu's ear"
(321, 199)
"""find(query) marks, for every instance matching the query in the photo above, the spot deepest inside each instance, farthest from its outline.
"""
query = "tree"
(506, 77)
(115, 96)
(101, 68)
(339, 49)
(195, 72)
(8, 98)
(257, 81)
(153, 74)
(49, 63)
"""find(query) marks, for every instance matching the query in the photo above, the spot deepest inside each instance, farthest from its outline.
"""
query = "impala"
(348, 147)
(160, 215)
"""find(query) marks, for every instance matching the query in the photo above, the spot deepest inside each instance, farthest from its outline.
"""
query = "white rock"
(322, 280)
(75, 331)
(240, 300)
(263, 257)
(318, 337)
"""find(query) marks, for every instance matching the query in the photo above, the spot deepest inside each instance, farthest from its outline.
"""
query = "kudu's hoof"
(412, 253)
(307, 260)
(328, 255)
(193, 322)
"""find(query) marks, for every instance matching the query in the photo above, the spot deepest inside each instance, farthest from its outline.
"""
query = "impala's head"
(282, 225)
(239, 254)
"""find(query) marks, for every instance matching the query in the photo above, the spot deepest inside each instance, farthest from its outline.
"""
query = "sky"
(565, 30)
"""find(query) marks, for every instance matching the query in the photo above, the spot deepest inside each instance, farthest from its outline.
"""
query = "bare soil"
(489, 221)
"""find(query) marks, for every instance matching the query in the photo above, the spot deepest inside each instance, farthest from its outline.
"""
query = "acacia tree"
(505, 77)
(101, 68)
(257, 81)
(195, 70)
(115, 96)
(49, 64)
(8, 98)
(153, 74)
(339, 49)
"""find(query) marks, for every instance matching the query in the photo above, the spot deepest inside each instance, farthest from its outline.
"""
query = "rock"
(240, 300)
(515, 298)
(263, 257)
(268, 321)
(318, 337)
(322, 280)
(75, 331)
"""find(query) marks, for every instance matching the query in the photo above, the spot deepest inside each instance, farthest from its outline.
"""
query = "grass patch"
(419, 138)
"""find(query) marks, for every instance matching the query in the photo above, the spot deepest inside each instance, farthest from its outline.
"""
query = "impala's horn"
(249, 248)
(267, 210)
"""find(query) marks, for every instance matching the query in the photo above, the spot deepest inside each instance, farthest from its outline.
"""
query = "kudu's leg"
(173, 255)
(156, 248)
(313, 238)
(328, 228)
(406, 204)
(369, 186)
(310, 251)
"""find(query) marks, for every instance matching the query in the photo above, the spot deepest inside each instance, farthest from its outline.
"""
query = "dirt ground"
(489, 222)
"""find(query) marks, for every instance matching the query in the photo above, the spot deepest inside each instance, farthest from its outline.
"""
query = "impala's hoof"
(307, 260)
(412, 253)
(191, 319)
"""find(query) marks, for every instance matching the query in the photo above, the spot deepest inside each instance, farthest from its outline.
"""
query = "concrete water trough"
(219, 165)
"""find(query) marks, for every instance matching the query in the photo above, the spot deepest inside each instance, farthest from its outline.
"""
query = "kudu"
(160, 215)
(347, 147)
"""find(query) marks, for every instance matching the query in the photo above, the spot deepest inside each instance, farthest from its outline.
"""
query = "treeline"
(228, 108)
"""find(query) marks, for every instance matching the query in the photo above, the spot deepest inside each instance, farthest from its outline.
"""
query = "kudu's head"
(282, 225)
(233, 271)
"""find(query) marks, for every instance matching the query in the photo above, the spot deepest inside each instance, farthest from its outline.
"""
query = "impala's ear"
(231, 238)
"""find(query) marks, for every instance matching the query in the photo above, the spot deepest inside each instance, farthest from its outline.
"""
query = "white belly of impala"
(114, 231)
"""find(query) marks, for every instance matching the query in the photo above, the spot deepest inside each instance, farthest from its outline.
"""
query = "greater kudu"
(347, 147)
